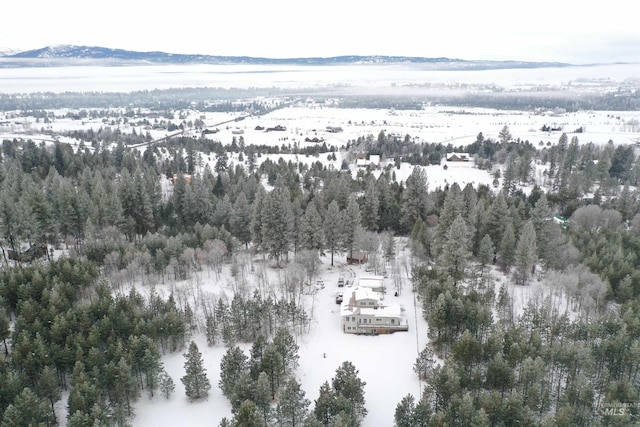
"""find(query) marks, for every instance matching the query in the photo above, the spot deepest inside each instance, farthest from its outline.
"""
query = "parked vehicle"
(341, 282)
(339, 298)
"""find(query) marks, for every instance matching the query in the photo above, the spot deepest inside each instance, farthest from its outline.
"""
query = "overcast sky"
(554, 30)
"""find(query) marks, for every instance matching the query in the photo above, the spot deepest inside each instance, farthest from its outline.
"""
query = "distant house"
(237, 131)
(372, 160)
(357, 257)
(363, 313)
(315, 139)
(277, 128)
(457, 157)
(334, 129)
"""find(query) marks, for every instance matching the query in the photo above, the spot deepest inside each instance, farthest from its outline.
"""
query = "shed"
(357, 257)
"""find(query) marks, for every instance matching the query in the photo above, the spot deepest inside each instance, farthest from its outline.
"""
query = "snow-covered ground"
(457, 126)
(385, 362)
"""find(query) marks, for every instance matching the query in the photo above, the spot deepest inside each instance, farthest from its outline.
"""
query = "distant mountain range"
(65, 55)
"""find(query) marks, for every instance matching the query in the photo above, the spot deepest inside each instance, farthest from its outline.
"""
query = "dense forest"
(72, 322)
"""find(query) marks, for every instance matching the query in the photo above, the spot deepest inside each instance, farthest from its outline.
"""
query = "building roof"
(371, 282)
(459, 156)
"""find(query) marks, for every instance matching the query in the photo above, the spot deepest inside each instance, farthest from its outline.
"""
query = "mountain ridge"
(62, 55)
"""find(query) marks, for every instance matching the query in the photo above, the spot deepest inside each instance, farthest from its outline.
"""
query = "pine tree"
(195, 380)
(505, 135)
(234, 364)
(324, 404)
(541, 219)
(27, 410)
(273, 366)
(351, 225)
(48, 388)
(370, 207)
(333, 228)
(496, 221)
(277, 223)
(286, 345)
(526, 253)
(167, 387)
(486, 252)
(507, 245)
(293, 407)
(248, 415)
(349, 392)
(425, 362)
(311, 230)
(455, 253)
(256, 217)
(414, 198)
(240, 221)
(453, 207)
(405, 412)
(262, 397)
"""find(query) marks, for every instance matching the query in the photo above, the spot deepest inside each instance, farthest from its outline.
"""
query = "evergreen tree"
(507, 245)
(293, 407)
(486, 252)
(324, 404)
(333, 228)
(496, 221)
(248, 415)
(240, 221)
(286, 345)
(505, 135)
(273, 366)
(234, 364)
(404, 415)
(277, 223)
(351, 225)
(453, 207)
(311, 230)
(28, 410)
(510, 175)
(541, 219)
(349, 392)
(195, 380)
(526, 253)
(370, 207)
(256, 218)
(414, 199)
(48, 388)
(425, 362)
(167, 387)
(262, 397)
(455, 253)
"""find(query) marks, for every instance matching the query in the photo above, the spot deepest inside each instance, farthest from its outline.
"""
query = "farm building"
(363, 313)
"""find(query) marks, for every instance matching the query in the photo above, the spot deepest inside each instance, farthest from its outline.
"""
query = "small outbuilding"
(357, 257)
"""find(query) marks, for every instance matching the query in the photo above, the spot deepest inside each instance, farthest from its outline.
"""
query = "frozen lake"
(369, 79)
